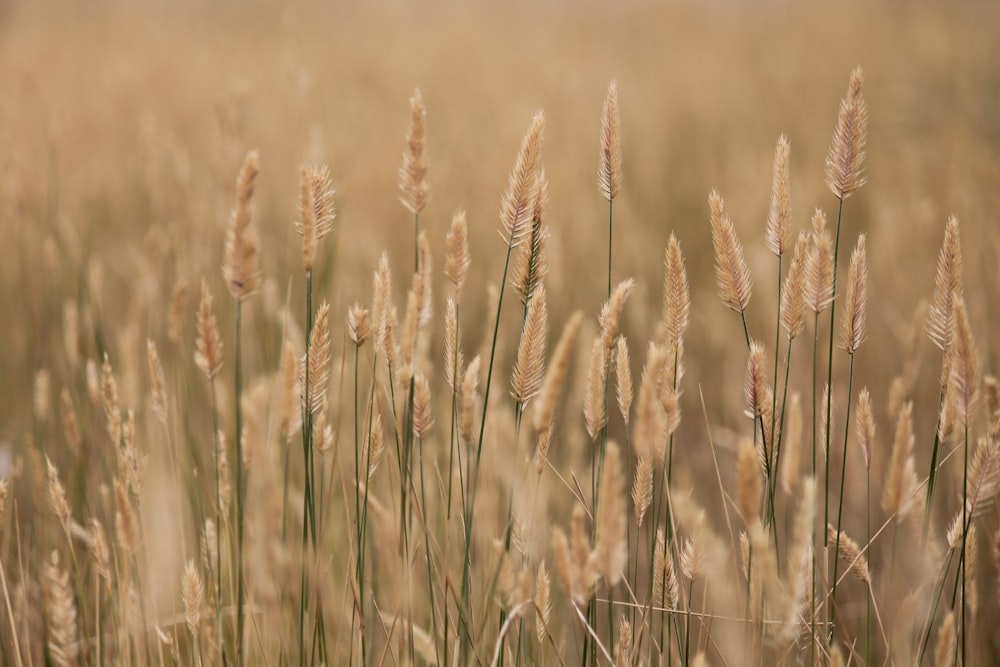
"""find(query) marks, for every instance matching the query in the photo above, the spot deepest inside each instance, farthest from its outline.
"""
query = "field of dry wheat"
(546, 333)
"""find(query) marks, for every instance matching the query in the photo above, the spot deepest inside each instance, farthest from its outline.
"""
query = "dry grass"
(396, 439)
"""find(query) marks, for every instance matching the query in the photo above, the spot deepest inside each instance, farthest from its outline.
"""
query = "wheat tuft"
(866, 426)
(944, 652)
(109, 398)
(792, 445)
(413, 171)
(543, 601)
(651, 422)
(423, 417)
(623, 378)
(755, 381)
(316, 211)
(593, 406)
(899, 494)
(457, 260)
(532, 264)
(984, 477)
(71, 426)
(793, 296)
(319, 359)
(208, 343)
(851, 554)
(470, 397)
(516, 206)
(611, 313)
(947, 284)
(158, 383)
(192, 592)
(963, 378)
(358, 325)
(241, 267)
(854, 324)
(57, 496)
(642, 488)
(731, 271)
(846, 157)
(610, 173)
(529, 366)
(40, 398)
(676, 293)
(60, 613)
(819, 266)
(779, 215)
(552, 387)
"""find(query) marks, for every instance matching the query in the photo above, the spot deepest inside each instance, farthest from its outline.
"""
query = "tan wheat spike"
(642, 488)
(543, 601)
(819, 266)
(529, 367)
(57, 496)
(470, 397)
(358, 325)
(126, 522)
(575, 560)
(866, 426)
(749, 484)
(71, 426)
(4, 492)
(413, 171)
(898, 495)
(846, 157)
(793, 296)
(612, 555)
(60, 613)
(947, 283)
(676, 293)
(425, 268)
(454, 360)
(984, 477)
(319, 359)
(532, 266)
(969, 569)
(40, 397)
(241, 267)
(755, 381)
(192, 593)
(98, 548)
(382, 308)
(457, 259)
(851, 554)
(779, 214)
(623, 651)
(792, 445)
(317, 211)
(593, 405)
(964, 367)
(650, 425)
(731, 271)
(109, 399)
(208, 341)
(944, 651)
(611, 313)
(376, 444)
(157, 381)
(552, 386)
(610, 173)
(423, 416)
(623, 378)
(854, 328)
(991, 388)
(516, 206)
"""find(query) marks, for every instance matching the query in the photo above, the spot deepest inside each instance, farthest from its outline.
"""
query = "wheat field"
(549, 333)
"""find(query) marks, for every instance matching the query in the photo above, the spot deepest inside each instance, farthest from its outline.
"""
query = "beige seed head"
(358, 326)
(850, 554)
(749, 483)
(529, 366)
(470, 397)
(964, 364)
(651, 430)
(642, 488)
(611, 313)
(731, 271)
(413, 171)
(532, 266)
(289, 414)
(71, 426)
(453, 358)
(793, 297)
(612, 554)
(610, 173)
(241, 267)
(944, 651)
(158, 382)
(755, 381)
(57, 495)
(319, 359)
(317, 211)
(176, 311)
(676, 293)
(899, 492)
(947, 284)
(779, 215)
(517, 206)
(60, 613)
(543, 601)
(192, 592)
(41, 397)
(984, 477)
(458, 260)
(792, 445)
(846, 157)
(208, 342)
(593, 406)
(551, 392)
(819, 266)
(866, 426)
(854, 327)
(623, 378)
(423, 417)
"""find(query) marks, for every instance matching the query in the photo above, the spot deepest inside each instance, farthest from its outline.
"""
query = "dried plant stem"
(218, 520)
(829, 375)
(240, 489)
(840, 510)
(932, 473)
(812, 585)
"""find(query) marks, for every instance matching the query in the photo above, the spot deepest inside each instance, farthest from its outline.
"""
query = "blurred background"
(123, 125)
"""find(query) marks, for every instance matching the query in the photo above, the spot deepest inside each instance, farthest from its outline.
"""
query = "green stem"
(840, 511)
(240, 490)
(829, 375)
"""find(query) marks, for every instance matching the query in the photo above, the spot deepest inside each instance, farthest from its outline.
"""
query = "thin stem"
(240, 490)
(840, 511)
(829, 374)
